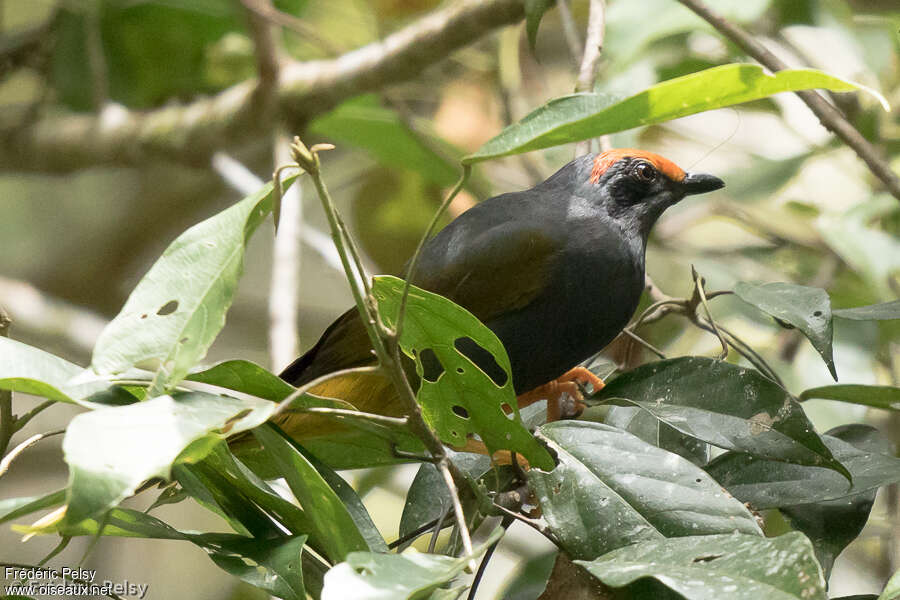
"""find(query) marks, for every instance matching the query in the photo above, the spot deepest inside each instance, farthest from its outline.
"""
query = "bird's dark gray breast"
(592, 292)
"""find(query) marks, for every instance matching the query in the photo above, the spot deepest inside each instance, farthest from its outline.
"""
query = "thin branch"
(422, 529)
(24, 419)
(627, 331)
(587, 73)
(285, 405)
(699, 282)
(7, 460)
(193, 132)
(573, 41)
(828, 115)
(265, 10)
(265, 47)
(400, 422)
(96, 57)
(7, 418)
(486, 559)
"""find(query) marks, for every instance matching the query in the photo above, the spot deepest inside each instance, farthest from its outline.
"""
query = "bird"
(555, 271)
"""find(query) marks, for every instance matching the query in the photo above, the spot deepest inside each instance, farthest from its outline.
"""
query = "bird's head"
(637, 186)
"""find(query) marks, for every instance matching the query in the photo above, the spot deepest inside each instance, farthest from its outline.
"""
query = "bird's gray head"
(637, 186)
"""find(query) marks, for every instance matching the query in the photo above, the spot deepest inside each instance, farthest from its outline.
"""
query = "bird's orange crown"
(607, 159)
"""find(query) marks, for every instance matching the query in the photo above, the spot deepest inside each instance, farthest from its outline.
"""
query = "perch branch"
(191, 133)
(587, 72)
(830, 117)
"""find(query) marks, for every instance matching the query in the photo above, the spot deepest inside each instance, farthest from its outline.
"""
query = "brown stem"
(830, 117)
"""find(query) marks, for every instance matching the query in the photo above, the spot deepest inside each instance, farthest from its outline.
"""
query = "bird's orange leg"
(554, 391)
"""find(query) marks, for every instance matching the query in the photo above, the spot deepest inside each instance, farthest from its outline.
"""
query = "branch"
(587, 73)
(192, 133)
(828, 115)
(7, 418)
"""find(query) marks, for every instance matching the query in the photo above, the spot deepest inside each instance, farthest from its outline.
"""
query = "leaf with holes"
(178, 308)
(110, 451)
(612, 489)
(806, 308)
(722, 404)
(466, 384)
(711, 567)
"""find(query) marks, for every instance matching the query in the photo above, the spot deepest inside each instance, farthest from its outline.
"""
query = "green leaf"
(110, 451)
(370, 576)
(806, 308)
(768, 484)
(583, 116)
(892, 589)
(362, 123)
(878, 396)
(13, 508)
(463, 399)
(332, 525)
(29, 370)
(247, 377)
(611, 489)
(885, 311)
(712, 567)
(831, 525)
(534, 12)
(725, 405)
(170, 320)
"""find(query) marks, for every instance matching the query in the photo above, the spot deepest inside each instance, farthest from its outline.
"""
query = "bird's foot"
(567, 385)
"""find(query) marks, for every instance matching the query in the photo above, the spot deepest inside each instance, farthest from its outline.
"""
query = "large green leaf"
(110, 451)
(879, 396)
(583, 116)
(806, 308)
(462, 399)
(713, 567)
(333, 527)
(611, 489)
(407, 576)
(874, 312)
(178, 308)
(768, 484)
(833, 524)
(362, 123)
(29, 370)
(725, 405)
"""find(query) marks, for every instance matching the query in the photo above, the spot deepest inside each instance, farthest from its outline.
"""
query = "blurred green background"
(798, 206)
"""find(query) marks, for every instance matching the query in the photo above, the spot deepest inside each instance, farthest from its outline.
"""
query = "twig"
(285, 404)
(96, 57)
(7, 460)
(23, 420)
(265, 10)
(353, 414)
(7, 418)
(425, 528)
(482, 566)
(573, 41)
(284, 285)
(593, 46)
(828, 115)
(627, 331)
(193, 132)
(266, 50)
(699, 282)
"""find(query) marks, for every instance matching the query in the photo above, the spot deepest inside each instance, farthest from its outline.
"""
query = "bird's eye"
(644, 172)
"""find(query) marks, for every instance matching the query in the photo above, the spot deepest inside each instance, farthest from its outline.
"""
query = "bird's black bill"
(700, 183)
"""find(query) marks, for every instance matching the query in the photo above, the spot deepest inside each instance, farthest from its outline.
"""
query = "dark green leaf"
(831, 525)
(333, 528)
(110, 451)
(245, 376)
(611, 489)
(713, 567)
(583, 116)
(879, 396)
(534, 12)
(768, 484)
(725, 405)
(874, 312)
(530, 578)
(170, 320)
(806, 308)
(371, 576)
(463, 399)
